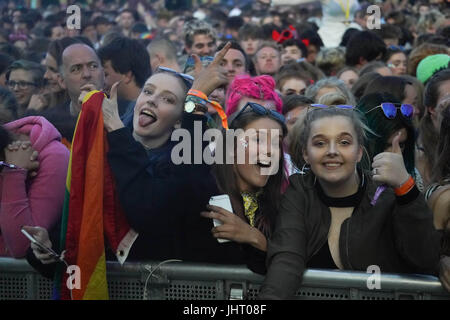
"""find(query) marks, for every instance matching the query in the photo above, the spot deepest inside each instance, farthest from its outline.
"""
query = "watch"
(193, 104)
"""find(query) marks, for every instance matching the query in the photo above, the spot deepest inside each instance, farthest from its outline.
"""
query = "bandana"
(250, 205)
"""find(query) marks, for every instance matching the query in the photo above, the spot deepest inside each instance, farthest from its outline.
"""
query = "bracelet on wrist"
(200, 95)
(405, 187)
(196, 100)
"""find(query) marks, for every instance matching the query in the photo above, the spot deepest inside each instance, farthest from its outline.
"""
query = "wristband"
(405, 187)
(8, 165)
(216, 105)
(196, 100)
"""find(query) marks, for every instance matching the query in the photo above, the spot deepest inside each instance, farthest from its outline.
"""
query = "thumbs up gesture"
(389, 167)
(110, 109)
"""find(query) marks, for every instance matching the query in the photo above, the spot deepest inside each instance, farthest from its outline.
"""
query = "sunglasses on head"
(394, 47)
(390, 109)
(187, 79)
(259, 109)
(338, 106)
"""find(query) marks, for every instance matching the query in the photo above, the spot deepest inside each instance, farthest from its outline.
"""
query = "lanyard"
(345, 10)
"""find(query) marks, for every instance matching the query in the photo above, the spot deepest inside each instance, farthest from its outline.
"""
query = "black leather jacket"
(396, 234)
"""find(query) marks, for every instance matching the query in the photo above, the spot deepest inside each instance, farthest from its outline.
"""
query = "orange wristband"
(405, 187)
(197, 93)
(216, 105)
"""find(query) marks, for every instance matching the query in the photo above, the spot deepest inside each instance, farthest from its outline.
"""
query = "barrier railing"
(194, 281)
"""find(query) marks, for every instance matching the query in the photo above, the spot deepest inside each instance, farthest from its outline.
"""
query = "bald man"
(80, 69)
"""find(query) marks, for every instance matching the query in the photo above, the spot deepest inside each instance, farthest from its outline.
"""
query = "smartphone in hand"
(224, 202)
(41, 246)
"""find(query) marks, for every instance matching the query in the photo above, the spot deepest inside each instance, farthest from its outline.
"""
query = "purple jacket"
(37, 201)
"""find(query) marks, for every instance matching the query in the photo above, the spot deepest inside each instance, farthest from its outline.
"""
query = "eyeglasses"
(390, 110)
(187, 79)
(22, 84)
(338, 106)
(259, 109)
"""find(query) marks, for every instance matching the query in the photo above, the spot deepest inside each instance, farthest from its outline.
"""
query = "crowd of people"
(351, 122)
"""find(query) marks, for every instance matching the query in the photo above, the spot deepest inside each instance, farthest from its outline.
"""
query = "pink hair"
(260, 87)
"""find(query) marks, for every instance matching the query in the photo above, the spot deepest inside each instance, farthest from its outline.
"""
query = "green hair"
(383, 128)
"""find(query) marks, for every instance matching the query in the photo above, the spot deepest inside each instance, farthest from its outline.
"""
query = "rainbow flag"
(91, 210)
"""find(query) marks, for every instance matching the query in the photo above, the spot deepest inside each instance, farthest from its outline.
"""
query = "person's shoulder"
(440, 196)
(301, 184)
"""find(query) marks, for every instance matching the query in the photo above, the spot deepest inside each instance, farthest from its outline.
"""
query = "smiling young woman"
(254, 186)
(335, 215)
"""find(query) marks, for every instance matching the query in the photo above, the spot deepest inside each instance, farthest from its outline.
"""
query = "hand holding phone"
(40, 245)
(224, 202)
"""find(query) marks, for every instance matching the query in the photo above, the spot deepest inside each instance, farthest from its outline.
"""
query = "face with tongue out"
(333, 150)
(158, 109)
(252, 176)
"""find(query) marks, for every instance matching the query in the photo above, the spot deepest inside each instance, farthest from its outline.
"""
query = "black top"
(323, 258)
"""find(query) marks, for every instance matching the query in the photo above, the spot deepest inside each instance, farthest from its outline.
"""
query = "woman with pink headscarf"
(260, 89)
(32, 180)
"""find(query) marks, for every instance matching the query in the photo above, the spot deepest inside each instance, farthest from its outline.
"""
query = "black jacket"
(397, 234)
(162, 202)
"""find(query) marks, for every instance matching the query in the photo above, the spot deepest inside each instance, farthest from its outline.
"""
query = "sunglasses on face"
(187, 79)
(259, 109)
(390, 110)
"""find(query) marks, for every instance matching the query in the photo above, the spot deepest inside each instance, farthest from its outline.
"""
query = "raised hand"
(110, 109)
(37, 102)
(84, 90)
(213, 76)
(389, 167)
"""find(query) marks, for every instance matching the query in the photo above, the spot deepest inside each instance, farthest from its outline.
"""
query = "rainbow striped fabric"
(91, 211)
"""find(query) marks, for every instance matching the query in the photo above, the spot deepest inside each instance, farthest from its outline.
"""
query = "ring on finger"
(375, 171)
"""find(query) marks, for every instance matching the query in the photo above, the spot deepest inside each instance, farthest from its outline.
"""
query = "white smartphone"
(40, 244)
(224, 202)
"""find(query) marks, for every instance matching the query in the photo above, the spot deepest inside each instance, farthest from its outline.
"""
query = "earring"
(304, 168)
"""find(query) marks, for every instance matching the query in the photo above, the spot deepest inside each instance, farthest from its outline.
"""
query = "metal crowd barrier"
(195, 281)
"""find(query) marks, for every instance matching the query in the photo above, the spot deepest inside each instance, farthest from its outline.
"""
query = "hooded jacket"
(37, 201)
(396, 234)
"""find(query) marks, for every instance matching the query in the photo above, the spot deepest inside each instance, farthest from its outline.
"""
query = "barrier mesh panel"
(308, 293)
(14, 287)
(44, 288)
(124, 289)
(17, 283)
(182, 290)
